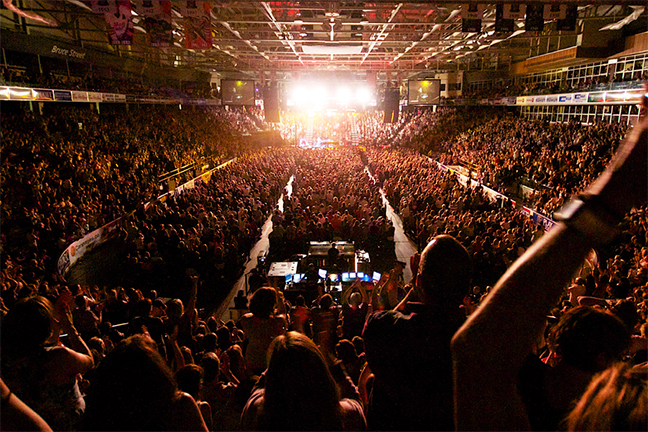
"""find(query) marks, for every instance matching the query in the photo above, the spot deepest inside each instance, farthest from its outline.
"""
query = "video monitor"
(376, 276)
(345, 277)
(322, 273)
(237, 92)
(425, 92)
(298, 277)
(360, 275)
(366, 278)
(352, 276)
(289, 278)
(334, 277)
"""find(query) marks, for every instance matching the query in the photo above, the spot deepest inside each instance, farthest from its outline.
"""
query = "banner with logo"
(95, 97)
(84, 245)
(19, 93)
(157, 22)
(62, 95)
(43, 94)
(198, 31)
(79, 96)
(120, 22)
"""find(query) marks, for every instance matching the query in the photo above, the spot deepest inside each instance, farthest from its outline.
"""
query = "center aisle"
(405, 248)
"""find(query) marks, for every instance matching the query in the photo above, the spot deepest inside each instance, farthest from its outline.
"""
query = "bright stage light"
(364, 95)
(343, 94)
(299, 95)
(319, 94)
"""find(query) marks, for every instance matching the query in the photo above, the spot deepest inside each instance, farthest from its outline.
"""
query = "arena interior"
(324, 215)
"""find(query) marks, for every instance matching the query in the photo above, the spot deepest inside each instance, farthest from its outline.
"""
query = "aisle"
(260, 248)
(405, 248)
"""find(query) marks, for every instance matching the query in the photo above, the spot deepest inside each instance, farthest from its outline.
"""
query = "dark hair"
(211, 366)
(326, 301)
(585, 333)
(300, 301)
(210, 342)
(224, 338)
(263, 302)
(133, 389)
(300, 392)
(358, 343)
(626, 311)
(189, 379)
(27, 326)
(445, 271)
(345, 351)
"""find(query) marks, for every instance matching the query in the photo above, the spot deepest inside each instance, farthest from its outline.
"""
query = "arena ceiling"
(279, 38)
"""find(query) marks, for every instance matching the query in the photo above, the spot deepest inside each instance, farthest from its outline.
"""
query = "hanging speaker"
(391, 106)
(271, 104)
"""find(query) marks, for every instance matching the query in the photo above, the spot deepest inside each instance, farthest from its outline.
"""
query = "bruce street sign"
(67, 52)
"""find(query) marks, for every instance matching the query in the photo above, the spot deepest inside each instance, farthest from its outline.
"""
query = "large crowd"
(139, 354)
(553, 160)
(333, 199)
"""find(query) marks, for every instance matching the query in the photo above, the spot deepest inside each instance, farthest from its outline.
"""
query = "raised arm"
(489, 350)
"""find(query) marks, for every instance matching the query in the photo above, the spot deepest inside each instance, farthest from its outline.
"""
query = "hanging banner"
(120, 21)
(555, 11)
(191, 9)
(471, 15)
(503, 25)
(198, 32)
(534, 17)
(513, 11)
(569, 22)
(102, 6)
(146, 7)
(157, 22)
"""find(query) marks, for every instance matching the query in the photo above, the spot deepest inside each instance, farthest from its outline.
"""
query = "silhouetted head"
(445, 272)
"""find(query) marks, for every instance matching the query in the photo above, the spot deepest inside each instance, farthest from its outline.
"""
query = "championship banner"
(513, 11)
(120, 21)
(191, 9)
(101, 6)
(503, 25)
(555, 11)
(198, 32)
(157, 22)
(146, 7)
(471, 15)
(534, 17)
(568, 23)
